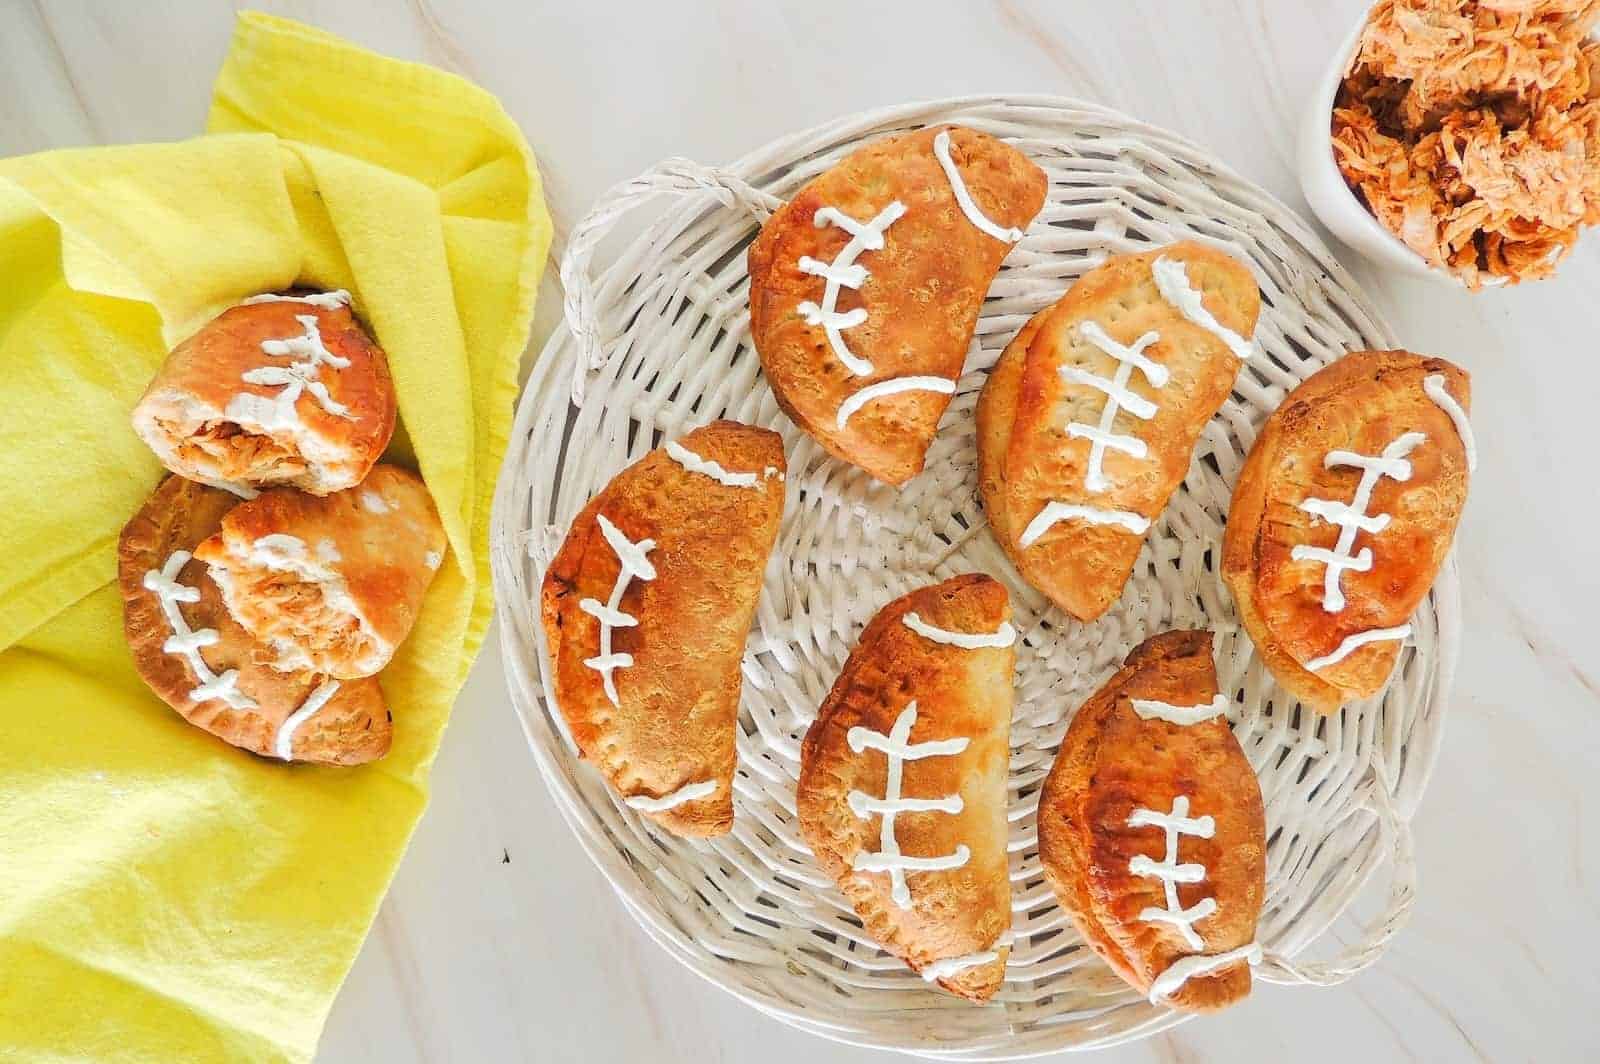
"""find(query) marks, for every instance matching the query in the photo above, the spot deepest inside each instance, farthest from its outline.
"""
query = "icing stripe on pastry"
(864, 805)
(1176, 824)
(843, 272)
(283, 746)
(689, 792)
(941, 151)
(296, 378)
(1115, 390)
(1352, 643)
(1071, 511)
(1172, 281)
(898, 750)
(696, 464)
(187, 642)
(856, 400)
(1354, 517)
(634, 565)
(1004, 637)
(1433, 387)
(1184, 969)
(325, 300)
(949, 966)
(1151, 709)
(1118, 398)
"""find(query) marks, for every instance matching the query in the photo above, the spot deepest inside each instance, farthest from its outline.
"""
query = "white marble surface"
(499, 942)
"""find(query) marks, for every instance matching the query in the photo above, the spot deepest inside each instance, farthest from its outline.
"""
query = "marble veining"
(712, 81)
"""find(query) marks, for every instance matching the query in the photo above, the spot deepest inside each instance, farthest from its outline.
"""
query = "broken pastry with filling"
(330, 583)
(279, 390)
(200, 661)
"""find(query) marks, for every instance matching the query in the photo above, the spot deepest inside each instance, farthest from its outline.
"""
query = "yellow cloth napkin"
(163, 896)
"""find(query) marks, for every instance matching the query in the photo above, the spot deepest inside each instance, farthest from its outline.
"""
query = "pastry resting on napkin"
(162, 895)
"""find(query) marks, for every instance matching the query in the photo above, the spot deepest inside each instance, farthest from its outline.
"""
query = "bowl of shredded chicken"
(1470, 131)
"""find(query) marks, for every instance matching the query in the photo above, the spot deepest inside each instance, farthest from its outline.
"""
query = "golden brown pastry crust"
(678, 702)
(341, 593)
(1026, 459)
(959, 693)
(191, 416)
(922, 294)
(1113, 762)
(1361, 403)
(351, 728)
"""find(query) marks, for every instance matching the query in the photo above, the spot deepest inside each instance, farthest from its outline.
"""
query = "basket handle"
(675, 176)
(1397, 913)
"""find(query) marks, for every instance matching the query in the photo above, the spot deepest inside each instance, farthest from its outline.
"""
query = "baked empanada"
(1342, 516)
(647, 607)
(331, 583)
(865, 288)
(902, 792)
(1088, 422)
(282, 389)
(197, 658)
(1152, 832)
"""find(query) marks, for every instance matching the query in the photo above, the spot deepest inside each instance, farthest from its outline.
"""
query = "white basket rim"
(556, 766)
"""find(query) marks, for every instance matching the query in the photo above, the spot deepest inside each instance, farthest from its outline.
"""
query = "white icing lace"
(1433, 387)
(1152, 709)
(300, 376)
(1354, 518)
(1172, 281)
(187, 642)
(856, 400)
(1118, 398)
(284, 745)
(941, 151)
(1184, 969)
(694, 463)
(1055, 512)
(634, 565)
(1351, 643)
(689, 792)
(949, 966)
(896, 747)
(1002, 637)
(843, 272)
(1176, 824)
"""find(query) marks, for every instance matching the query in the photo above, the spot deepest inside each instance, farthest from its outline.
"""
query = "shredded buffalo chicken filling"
(238, 454)
(290, 609)
(1471, 129)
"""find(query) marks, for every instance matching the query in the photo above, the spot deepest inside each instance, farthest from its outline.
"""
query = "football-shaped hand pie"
(902, 793)
(330, 583)
(1087, 423)
(646, 610)
(1152, 833)
(278, 390)
(1342, 516)
(202, 663)
(865, 288)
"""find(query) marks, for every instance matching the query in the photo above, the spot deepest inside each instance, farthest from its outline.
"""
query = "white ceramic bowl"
(1331, 199)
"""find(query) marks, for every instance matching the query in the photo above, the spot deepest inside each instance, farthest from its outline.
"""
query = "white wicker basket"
(658, 342)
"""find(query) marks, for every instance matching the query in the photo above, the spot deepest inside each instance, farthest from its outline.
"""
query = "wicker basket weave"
(658, 342)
